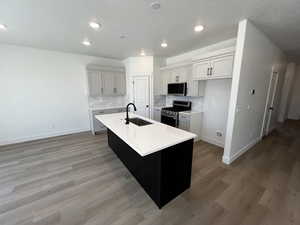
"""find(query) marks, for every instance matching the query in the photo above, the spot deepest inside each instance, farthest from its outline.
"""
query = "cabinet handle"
(102, 90)
(211, 69)
(207, 71)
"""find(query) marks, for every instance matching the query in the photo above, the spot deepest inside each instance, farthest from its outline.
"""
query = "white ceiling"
(63, 24)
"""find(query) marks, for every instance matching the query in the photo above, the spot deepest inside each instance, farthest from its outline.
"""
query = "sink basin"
(139, 122)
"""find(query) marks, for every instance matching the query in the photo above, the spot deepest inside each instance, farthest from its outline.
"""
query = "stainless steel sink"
(139, 122)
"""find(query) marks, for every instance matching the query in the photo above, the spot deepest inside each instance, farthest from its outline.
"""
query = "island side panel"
(164, 174)
(146, 170)
(176, 170)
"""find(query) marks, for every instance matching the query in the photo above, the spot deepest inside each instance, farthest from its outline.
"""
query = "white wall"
(254, 58)
(43, 93)
(216, 100)
(294, 109)
(216, 97)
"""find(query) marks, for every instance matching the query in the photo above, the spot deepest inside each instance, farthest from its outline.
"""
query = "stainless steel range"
(170, 115)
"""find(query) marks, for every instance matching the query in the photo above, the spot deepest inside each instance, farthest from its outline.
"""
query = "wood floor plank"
(77, 180)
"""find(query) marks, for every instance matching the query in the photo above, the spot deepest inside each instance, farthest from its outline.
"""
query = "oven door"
(171, 121)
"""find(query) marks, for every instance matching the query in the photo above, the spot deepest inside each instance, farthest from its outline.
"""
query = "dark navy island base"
(164, 174)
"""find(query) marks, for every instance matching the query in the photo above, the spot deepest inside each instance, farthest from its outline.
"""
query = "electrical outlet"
(219, 134)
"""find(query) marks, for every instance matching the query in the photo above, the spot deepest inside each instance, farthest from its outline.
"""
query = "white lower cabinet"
(96, 125)
(184, 122)
(191, 121)
(157, 114)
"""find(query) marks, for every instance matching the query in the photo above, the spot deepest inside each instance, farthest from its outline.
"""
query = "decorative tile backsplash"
(159, 100)
(107, 101)
(197, 102)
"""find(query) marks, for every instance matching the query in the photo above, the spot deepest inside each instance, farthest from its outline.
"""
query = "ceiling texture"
(63, 24)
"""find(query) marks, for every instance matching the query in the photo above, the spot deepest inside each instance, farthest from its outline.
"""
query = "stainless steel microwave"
(177, 89)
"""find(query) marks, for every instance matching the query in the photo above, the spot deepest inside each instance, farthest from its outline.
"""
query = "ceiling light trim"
(198, 28)
(3, 27)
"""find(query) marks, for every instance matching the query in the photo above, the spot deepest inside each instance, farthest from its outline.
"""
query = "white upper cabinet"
(196, 88)
(104, 81)
(201, 70)
(215, 65)
(108, 81)
(120, 83)
(222, 67)
(179, 75)
(166, 79)
(94, 83)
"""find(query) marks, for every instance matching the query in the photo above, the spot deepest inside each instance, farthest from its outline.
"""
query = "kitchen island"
(157, 155)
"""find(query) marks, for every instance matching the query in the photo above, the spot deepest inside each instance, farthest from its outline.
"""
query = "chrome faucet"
(127, 116)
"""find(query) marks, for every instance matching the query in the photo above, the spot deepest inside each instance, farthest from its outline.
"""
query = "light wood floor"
(76, 179)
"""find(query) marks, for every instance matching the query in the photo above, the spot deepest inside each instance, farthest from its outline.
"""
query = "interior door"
(269, 119)
(141, 95)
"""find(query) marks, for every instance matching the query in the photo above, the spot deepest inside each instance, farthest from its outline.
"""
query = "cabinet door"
(222, 67)
(201, 70)
(108, 80)
(196, 88)
(184, 122)
(193, 88)
(98, 126)
(119, 83)
(157, 115)
(165, 81)
(183, 74)
(179, 75)
(94, 83)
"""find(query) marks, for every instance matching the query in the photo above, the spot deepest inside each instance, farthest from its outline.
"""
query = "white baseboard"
(212, 141)
(42, 136)
(229, 159)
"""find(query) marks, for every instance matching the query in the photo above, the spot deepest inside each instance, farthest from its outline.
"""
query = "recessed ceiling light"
(3, 27)
(142, 53)
(155, 5)
(198, 28)
(164, 44)
(86, 42)
(95, 25)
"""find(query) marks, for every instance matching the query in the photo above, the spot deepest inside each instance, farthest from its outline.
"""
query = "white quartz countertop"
(144, 139)
(190, 112)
